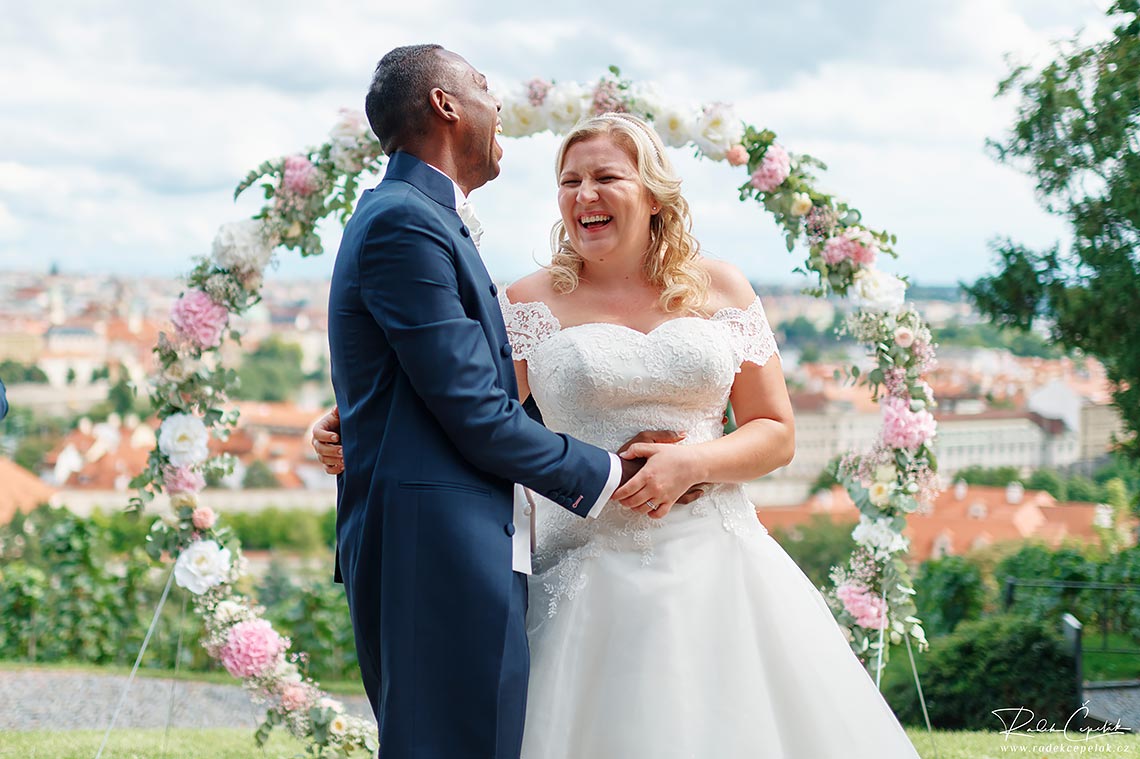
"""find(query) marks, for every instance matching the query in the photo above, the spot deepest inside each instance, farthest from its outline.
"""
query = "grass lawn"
(1102, 666)
(238, 744)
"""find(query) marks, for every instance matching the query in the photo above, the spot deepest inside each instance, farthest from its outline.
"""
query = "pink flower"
(300, 176)
(869, 609)
(203, 517)
(774, 168)
(737, 155)
(903, 428)
(199, 319)
(536, 90)
(295, 697)
(856, 245)
(607, 98)
(182, 479)
(251, 648)
(904, 337)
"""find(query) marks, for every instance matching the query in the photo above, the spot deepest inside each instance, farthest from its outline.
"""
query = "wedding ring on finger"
(652, 506)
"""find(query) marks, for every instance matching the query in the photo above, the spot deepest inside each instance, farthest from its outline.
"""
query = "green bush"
(950, 591)
(995, 663)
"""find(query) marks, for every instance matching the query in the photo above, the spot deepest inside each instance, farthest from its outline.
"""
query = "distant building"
(964, 518)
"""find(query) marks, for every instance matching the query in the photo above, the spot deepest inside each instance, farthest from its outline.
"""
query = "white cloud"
(126, 124)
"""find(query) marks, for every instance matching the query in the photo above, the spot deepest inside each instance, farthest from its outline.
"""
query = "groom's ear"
(443, 105)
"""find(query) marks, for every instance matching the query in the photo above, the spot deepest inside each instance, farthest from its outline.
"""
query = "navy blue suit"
(434, 438)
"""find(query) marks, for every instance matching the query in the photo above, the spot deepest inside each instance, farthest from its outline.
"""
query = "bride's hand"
(671, 474)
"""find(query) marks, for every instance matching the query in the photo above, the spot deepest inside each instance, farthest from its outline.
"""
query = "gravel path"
(1111, 704)
(63, 700)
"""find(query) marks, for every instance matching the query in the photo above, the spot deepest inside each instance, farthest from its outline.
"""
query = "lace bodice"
(603, 383)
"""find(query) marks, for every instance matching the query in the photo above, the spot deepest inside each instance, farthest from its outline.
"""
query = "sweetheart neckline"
(560, 328)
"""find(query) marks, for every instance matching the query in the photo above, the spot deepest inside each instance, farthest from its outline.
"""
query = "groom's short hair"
(397, 102)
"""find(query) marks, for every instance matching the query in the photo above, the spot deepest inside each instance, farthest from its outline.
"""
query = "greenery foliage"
(1077, 134)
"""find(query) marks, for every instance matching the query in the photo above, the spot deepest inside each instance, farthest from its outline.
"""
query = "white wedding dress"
(694, 636)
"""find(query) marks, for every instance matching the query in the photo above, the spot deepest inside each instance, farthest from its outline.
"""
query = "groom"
(432, 431)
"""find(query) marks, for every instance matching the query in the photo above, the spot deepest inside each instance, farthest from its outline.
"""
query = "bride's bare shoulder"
(534, 287)
(728, 287)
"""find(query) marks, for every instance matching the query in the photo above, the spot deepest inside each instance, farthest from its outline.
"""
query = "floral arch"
(871, 596)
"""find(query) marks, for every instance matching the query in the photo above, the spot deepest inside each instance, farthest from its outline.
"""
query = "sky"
(126, 124)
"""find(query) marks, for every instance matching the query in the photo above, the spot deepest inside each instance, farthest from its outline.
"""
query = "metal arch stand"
(138, 661)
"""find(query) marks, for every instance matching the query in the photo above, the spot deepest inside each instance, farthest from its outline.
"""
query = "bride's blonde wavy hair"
(671, 261)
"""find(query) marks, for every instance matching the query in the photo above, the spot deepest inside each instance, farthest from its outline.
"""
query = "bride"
(660, 632)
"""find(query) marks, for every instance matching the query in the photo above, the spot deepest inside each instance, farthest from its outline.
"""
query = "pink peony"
(199, 319)
(869, 609)
(854, 245)
(295, 697)
(251, 648)
(182, 479)
(737, 155)
(903, 428)
(300, 177)
(774, 168)
(203, 518)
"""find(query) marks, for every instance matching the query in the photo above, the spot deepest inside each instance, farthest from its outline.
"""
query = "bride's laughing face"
(604, 204)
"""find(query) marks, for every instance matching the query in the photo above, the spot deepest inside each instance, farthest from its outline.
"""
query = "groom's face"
(480, 151)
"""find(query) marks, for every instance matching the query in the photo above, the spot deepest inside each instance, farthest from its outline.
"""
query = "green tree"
(13, 372)
(817, 546)
(950, 591)
(121, 396)
(1077, 134)
(272, 372)
(259, 476)
(1049, 481)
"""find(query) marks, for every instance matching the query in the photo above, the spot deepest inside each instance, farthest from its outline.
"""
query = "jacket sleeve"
(409, 284)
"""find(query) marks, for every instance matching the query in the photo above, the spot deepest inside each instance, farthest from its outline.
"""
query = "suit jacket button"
(510, 529)
(494, 290)
(506, 350)
(527, 510)
(464, 231)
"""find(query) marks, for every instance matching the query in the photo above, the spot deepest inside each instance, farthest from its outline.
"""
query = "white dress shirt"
(523, 540)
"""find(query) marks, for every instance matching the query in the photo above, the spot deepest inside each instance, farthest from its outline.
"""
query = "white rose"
(339, 725)
(904, 337)
(183, 439)
(718, 130)
(801, 203)
(181, 368)
(676, 125)
(519, 117)
(875, 290)
(565, 105)
(331, 703)
(184, 500)
(880, 493)
(201, 566)
(645, 101)
(242, 246)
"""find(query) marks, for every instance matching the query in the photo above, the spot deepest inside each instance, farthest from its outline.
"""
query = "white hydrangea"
(242, 247)
(877, 536)
(183, 439)
(230, 612)
(565, 105)
(520, 118)
(876, 290)
(203, 565)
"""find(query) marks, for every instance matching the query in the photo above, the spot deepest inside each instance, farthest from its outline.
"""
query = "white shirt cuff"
(611, 485)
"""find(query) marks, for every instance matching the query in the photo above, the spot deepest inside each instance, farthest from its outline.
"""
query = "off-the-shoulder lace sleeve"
(750, 334)
(528, 325)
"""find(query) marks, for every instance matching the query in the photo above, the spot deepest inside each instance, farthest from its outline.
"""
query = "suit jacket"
(434, 438)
